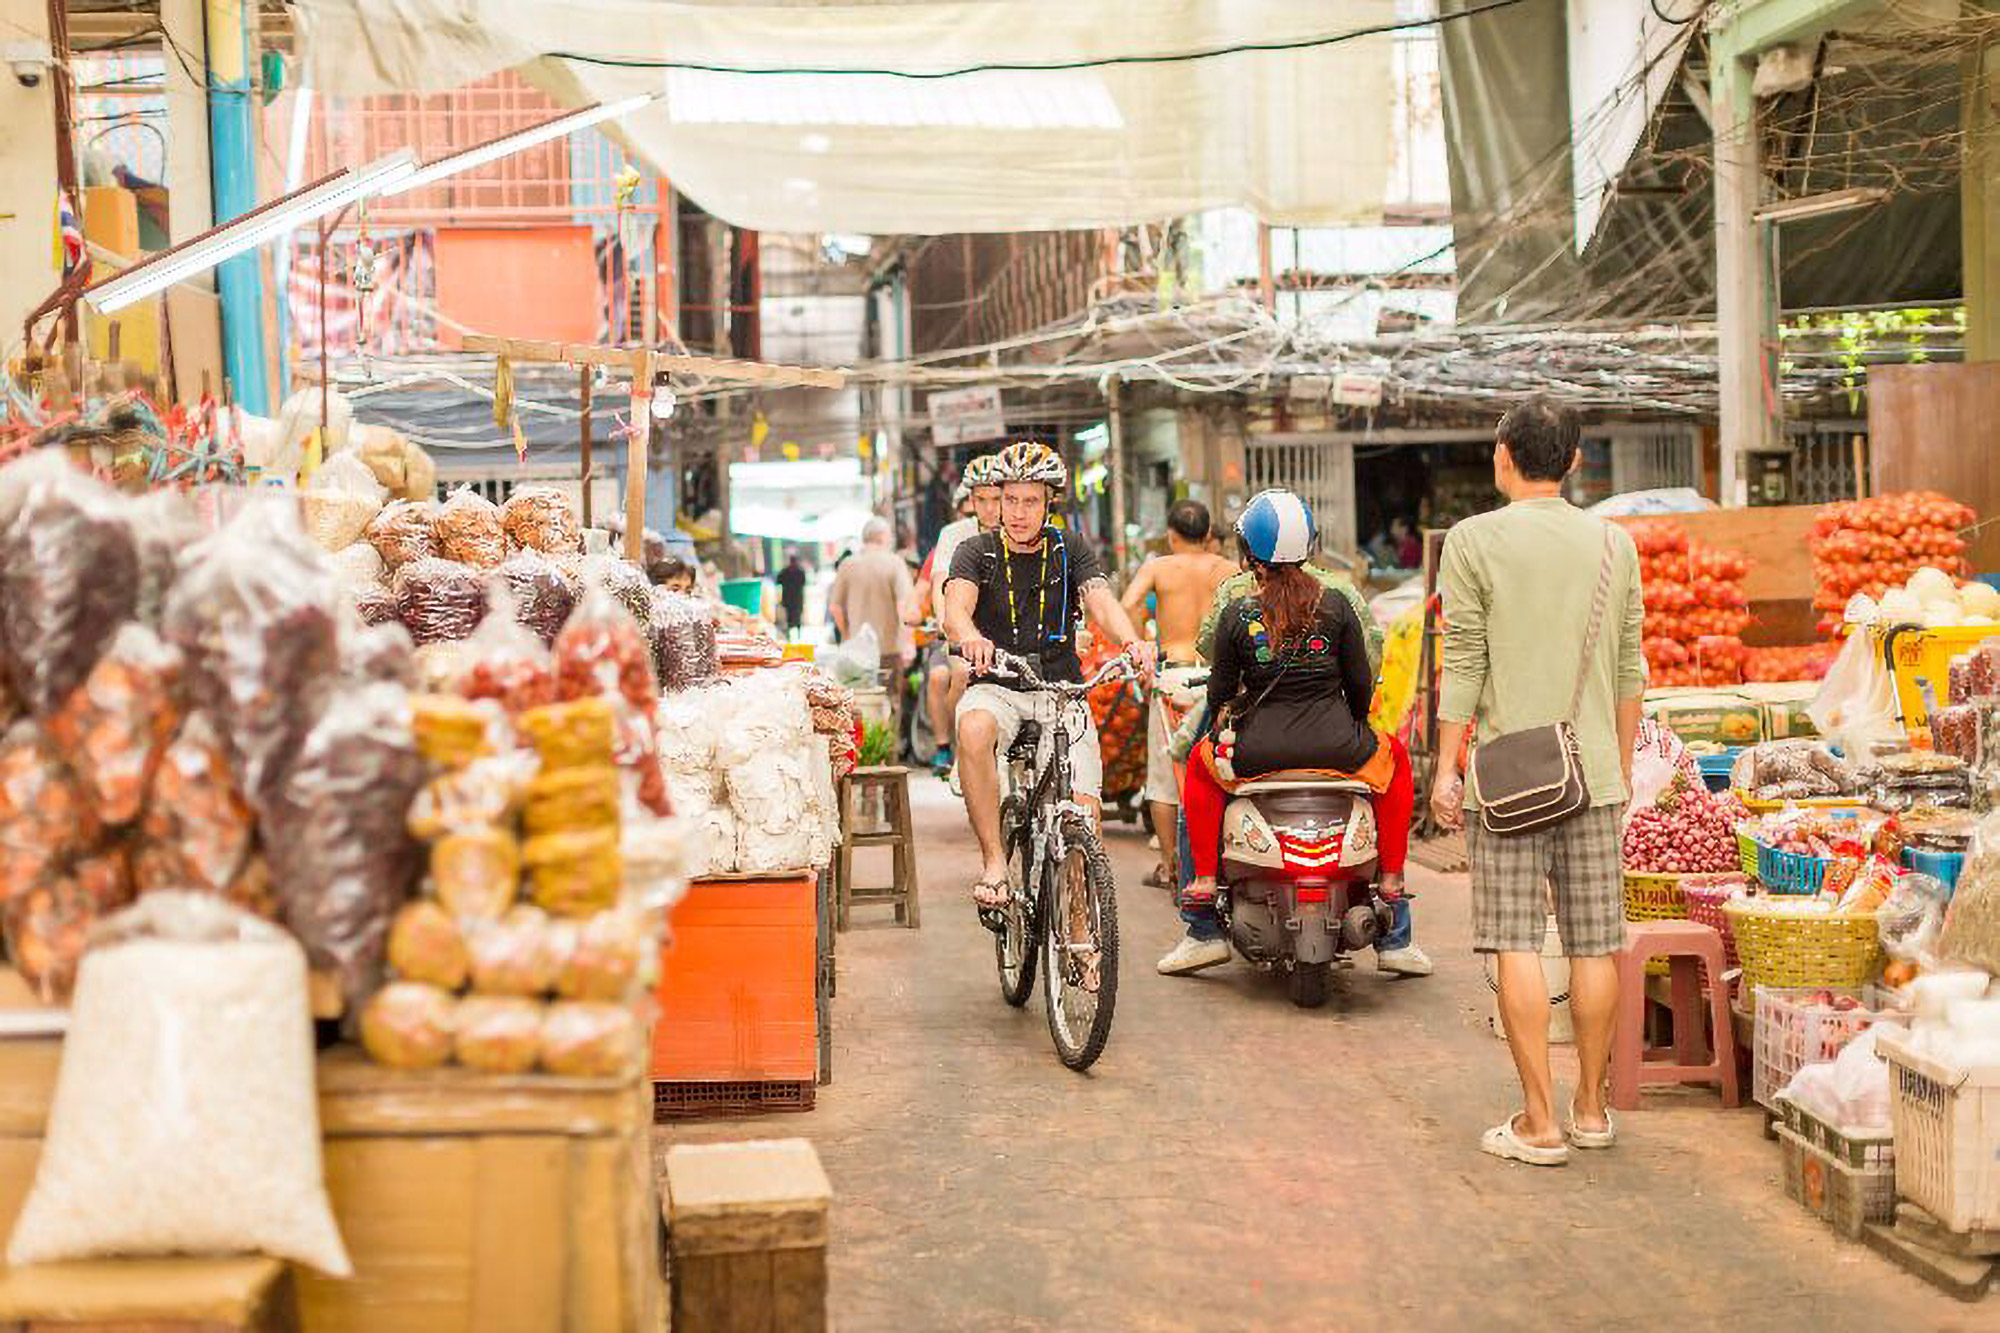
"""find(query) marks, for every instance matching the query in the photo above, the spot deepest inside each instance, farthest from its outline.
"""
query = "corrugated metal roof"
(993, 99)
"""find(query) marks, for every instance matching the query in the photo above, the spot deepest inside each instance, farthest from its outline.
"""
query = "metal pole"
(1742, 285)
(583, 394)
(1115, 461)
(325, 376)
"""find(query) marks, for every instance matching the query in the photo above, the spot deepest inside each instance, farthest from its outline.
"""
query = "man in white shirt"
(978, 497)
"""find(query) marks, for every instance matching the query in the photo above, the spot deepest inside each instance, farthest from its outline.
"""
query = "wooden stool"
(253, 1295)
(746, 1228)
(894, 784)
(1687, 946)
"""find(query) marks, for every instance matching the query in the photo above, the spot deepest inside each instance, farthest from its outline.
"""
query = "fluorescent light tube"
(204, 252)
(481, 154)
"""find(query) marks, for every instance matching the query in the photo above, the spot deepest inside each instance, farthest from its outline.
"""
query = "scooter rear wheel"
(1308, 984)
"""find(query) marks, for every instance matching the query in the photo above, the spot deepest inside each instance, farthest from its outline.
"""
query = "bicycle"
(1062, 909)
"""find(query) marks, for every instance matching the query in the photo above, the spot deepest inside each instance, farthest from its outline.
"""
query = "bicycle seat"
(1304, 779)
(1027, 741)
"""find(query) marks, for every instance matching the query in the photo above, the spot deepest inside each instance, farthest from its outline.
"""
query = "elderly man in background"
(870, 590)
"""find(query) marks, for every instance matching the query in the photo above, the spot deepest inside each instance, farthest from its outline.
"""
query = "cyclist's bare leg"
(961, 679)
(937, 697)
(979, 772)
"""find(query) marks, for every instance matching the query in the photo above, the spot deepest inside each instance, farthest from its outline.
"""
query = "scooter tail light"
(1316, 892)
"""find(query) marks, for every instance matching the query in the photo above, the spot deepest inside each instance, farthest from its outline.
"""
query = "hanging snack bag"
(601, 651)
(506, 662)
(584, 1040)
(452, 732)
(408, 1025)
(578, 734)
(565, 800)
(684, 651)
(543, 598)
(469, 531)
(113, 726)
(44, 808)
(404, 531)
(439, 600)
(624, 582)
(472, 799)
(197, 826)
(69, 577)
(540, 518)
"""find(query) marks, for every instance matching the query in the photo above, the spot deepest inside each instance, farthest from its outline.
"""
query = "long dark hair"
(1290, 598)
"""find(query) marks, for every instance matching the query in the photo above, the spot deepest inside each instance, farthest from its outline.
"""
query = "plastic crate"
(1790, 872)
(1877, 1149)
(1848, 1197)
(1793, 1032)
(731, 1098)
(1944, 867)
(1947, 1123)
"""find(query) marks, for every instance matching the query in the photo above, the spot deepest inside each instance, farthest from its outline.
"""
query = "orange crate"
(737, 983)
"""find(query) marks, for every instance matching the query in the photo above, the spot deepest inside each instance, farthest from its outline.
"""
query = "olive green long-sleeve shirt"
(1517, 585)
(1238, 585)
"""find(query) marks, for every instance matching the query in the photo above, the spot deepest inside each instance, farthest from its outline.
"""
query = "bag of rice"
(195, 1015)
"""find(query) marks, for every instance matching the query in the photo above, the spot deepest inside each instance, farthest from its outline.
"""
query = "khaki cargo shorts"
(1010, 708)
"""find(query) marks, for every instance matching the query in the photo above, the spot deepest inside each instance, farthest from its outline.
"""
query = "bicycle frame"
(1049, 799)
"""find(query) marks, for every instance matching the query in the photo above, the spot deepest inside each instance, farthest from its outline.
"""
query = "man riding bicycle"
(1023, 589)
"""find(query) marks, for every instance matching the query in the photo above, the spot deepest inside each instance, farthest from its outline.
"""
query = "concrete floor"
(1234, 1162)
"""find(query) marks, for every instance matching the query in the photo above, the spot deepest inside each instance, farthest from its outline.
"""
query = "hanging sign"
(966, 416)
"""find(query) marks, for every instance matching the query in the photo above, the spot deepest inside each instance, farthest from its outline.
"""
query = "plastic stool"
(1686, 945)
(901, 891)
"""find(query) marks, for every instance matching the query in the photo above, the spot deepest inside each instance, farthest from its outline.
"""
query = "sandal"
(1591, 1138)
(1158, 878)
(1504, 1141)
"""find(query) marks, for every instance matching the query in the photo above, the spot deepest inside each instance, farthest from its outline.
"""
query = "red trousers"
(1203, 799)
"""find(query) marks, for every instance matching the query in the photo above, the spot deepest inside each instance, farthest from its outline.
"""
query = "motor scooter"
(1298, 887)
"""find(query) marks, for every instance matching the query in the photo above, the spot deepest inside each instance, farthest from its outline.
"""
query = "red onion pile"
(1687, 831)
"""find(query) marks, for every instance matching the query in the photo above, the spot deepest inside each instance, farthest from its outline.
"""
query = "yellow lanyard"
(1041, 589)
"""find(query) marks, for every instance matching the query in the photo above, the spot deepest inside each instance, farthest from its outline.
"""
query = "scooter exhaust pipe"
(1359, 928)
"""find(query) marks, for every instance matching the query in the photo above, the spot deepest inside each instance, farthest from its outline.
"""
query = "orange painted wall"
(533, 282)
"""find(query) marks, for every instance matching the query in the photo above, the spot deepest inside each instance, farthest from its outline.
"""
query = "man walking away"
(1519, 586)
(792, 595)
(1182, 584)
(869, 590)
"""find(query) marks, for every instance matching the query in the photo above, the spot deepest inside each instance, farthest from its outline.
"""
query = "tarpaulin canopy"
(792, 116)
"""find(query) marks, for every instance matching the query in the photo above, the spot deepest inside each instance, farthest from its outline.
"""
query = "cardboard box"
(1723, 717)
(1784, 706)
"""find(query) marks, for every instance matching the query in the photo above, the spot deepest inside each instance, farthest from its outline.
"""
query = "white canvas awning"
(1298, 137)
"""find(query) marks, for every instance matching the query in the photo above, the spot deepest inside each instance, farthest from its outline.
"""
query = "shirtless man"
(1183, 584)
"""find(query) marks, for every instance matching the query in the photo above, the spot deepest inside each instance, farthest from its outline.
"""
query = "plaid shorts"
(1512, 878)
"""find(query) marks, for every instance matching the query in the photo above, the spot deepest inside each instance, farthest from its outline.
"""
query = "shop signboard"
(967, 416)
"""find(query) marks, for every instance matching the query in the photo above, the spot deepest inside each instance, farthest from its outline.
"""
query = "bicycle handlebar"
(1007, 663)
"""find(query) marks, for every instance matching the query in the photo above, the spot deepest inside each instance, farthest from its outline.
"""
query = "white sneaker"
(1193, 955)
(1408, 961)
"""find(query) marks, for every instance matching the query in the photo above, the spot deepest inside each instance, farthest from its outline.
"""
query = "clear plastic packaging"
(69, 578)
(475, 872)
(439, 599)
(195, 1015)
(571, 799)
(44, 807)
(254, 614)
(474, 798)
(377, 653)
(578, 734)
(340, 501)
(584, 1040)
(543, 598)
(601, 651)
(625, 583)
(452, 732)
(408, 1025)
(683, 641)
(1971, 934)
(425, 944)
(605, 962)
(499, 1034)
(506, 662)
(342, 858)
(519, 954)
(48, 926)
(404, 531)
(1955, 731)
(469, 531)
(164, 526)
(541, 518)
(574, 874)
(197, 825)
(376, 606)
(359, 568)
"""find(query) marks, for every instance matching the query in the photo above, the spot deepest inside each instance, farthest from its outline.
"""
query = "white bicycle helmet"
(1277, 528)
(1031, 461)
(982, 471)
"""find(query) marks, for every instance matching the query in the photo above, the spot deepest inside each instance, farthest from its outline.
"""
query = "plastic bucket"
(1555, 970)
(744, 595)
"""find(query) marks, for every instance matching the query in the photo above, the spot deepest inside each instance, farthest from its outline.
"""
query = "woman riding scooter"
(1290, 689)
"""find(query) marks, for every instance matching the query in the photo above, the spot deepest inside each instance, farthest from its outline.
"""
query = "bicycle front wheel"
(1014, 943)
(1080, 949)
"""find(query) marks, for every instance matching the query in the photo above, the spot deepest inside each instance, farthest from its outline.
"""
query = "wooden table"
(467, 1201)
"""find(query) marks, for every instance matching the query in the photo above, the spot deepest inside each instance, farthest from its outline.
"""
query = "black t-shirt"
(1038, 621)
(792, 584)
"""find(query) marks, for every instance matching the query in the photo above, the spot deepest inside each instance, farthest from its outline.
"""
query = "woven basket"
(1748, 848)
(1780, 948)
(1760, 807)
(1651, 896)
(1705, 903)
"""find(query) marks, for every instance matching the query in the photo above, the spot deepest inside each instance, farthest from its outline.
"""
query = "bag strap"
(1598, 602)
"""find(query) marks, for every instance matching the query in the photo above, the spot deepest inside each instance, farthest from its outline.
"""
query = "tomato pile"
(1686, 831)
(1782, 664)
(1876, 544)
(1695, 608)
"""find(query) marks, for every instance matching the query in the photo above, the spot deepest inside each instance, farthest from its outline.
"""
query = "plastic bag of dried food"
(439, 599)
(195, 814)
(543, 598)
(475, 872)
(605, 960)
(376, 653)
(505, 662)
(375, 606)
(44, 808)
(476, 797)
(577, 734)
(69, 577)
(501, 1034)
(164, 526)
(564, 800)
(468, 529)
(439, 665)
(359, 567)
(519, 954)
(113, 726)
(452, 732)
(1971, 932)
(425, 944)
(541, 518)
(254, 614)
(197, 1013)
(683, 635)
(404, 531)
(767, 713)
(625, 583)
(340, 501)
(48, 927)
(584, 1040)
(408, 1025)
(601, 651)
(574, 874)
(342, 858)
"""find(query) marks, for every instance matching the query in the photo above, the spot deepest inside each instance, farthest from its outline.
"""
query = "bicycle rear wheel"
(1079, 930)
(1014, 951)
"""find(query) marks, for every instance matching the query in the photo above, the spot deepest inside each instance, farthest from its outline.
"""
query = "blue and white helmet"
(1277, 528)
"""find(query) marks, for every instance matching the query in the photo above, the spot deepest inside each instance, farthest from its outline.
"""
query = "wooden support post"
(636, 450)
(583, 374)
(1267, 280)
(1979, 195)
